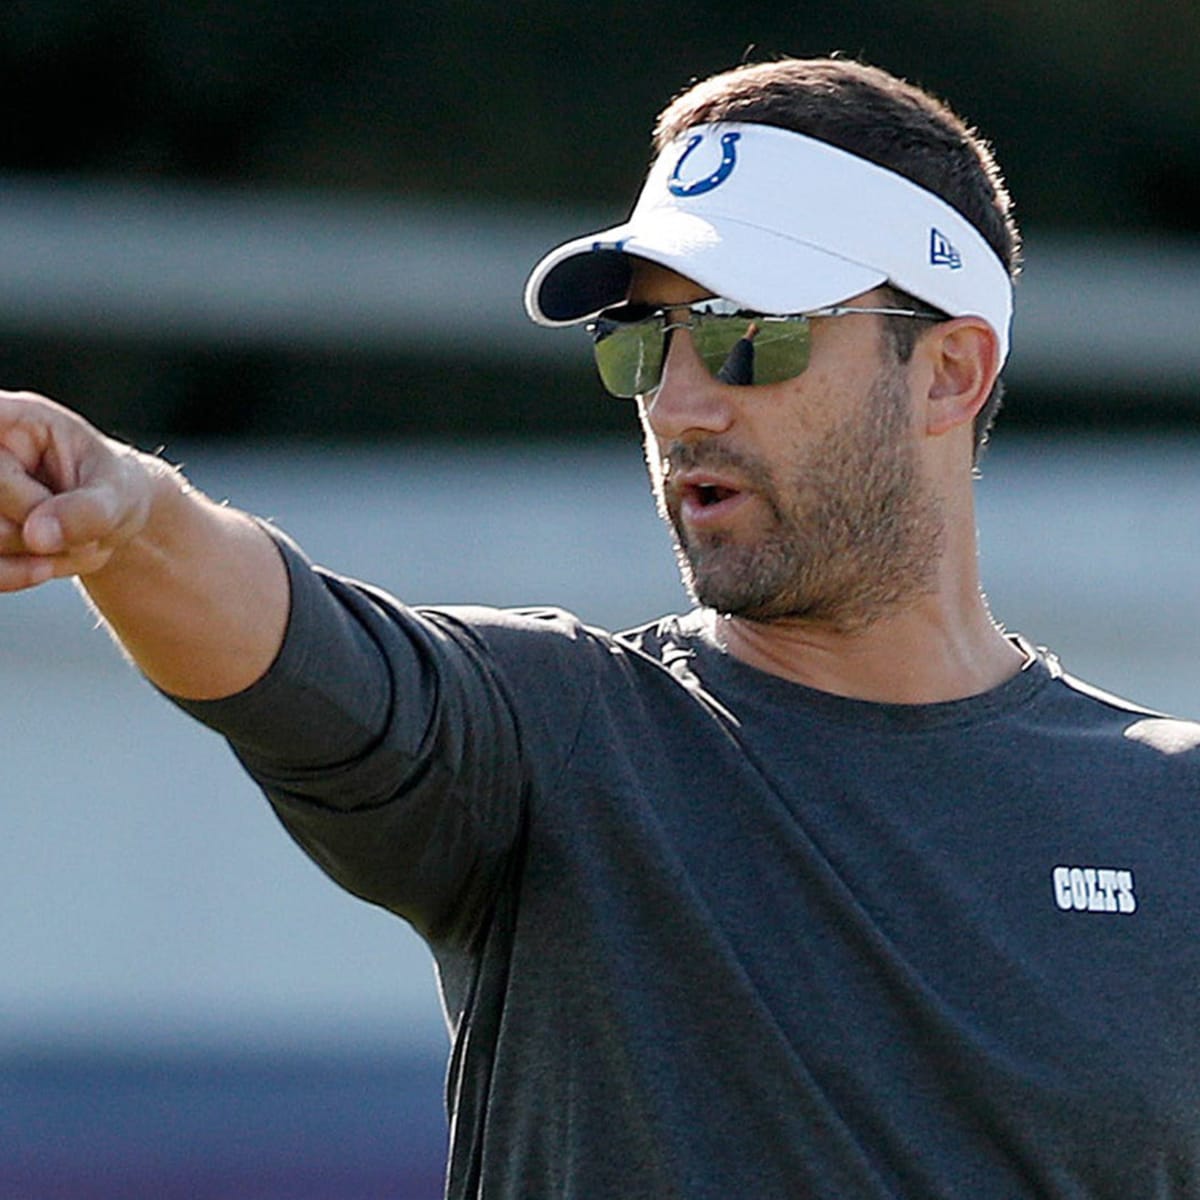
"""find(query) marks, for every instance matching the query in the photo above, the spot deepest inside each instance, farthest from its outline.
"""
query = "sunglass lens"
(628, 355)
(722, 343)
(781, 350)
(736, 349)
(744, 350)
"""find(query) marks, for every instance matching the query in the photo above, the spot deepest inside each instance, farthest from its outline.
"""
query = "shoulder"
(1134, 724)
(554, 643)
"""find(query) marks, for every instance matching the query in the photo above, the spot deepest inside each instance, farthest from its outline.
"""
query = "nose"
(688, 402)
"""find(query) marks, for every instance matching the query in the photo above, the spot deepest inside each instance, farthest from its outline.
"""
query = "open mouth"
(707, 494)
(705, 504)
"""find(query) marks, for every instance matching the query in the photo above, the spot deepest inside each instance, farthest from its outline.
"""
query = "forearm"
(198, 598)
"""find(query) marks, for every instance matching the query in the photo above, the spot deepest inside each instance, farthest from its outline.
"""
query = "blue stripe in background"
(222, 1126)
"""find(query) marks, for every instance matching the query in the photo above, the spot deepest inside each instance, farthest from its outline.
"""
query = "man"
(828, 888)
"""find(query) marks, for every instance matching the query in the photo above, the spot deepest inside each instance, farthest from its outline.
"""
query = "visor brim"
(760, 270)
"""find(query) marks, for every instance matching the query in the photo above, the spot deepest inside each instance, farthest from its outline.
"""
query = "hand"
(69, 496)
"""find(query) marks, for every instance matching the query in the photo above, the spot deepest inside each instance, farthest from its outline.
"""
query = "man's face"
(802, 499)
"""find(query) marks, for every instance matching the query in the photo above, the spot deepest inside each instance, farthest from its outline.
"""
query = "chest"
(988, 927)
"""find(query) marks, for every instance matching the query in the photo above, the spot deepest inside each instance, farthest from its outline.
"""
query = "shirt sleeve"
(390, 746)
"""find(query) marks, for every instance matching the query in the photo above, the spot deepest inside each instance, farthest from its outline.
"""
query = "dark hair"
(888, 121)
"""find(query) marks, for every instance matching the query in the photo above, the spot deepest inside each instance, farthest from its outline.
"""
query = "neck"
(909, 660)
(940, 645)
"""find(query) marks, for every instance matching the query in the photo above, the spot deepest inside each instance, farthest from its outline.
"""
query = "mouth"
(704, 502)
(705, 495)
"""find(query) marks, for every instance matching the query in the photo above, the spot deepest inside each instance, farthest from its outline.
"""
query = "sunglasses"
(631, 341)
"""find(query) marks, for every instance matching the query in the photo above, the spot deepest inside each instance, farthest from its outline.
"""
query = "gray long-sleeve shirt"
(703, 933)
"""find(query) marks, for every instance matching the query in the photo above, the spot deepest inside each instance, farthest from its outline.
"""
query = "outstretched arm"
(195, 592)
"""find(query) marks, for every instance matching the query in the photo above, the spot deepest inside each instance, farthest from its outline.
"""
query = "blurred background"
(287, 243)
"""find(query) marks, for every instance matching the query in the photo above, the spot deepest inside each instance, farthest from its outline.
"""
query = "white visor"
(780, 223)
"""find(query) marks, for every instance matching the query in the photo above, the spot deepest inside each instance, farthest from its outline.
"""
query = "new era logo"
(942, 252)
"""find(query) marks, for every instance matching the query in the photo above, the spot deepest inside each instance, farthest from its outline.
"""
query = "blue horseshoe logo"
(718, 177)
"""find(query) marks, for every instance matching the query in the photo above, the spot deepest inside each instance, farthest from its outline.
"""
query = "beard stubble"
(850, 533)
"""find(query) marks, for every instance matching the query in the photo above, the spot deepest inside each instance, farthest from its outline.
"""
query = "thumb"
(84, 515)
(42, 532)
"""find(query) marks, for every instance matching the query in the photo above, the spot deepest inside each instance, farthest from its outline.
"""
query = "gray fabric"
(703, 933)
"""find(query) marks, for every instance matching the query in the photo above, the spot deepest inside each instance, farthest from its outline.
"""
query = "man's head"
(820, 471)
(785, 223)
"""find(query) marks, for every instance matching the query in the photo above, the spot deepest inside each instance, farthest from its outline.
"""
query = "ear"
(963, 356)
